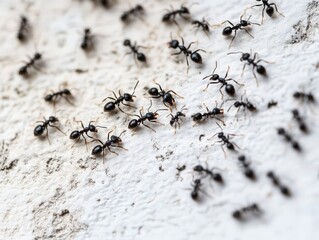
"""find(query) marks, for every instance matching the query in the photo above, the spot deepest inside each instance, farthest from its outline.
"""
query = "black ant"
(249, 173)
(304, 96)
(110, 106)
(175, 119)
(23, 32)
(194, 55)
(275, 180)
(134, 49)
(113, 141)
(202, 24)
(272, 103)
(295, 145)
(197, 117)
(260, 69)
(149, 116)
(87, 41)
(135, 11)
(239, 26)
(76, 134)
(53, 97)
(196, 188)
(268, 7)
(165, 95)
(302, 125)
(216, 176)
(24, 71)
(39, 129)
(225, 140)
(240, 214)
(241, 104)
(215, 79)
(171, 15)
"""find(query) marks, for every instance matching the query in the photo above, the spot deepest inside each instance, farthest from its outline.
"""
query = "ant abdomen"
(110, 106)
(230, 89)
(75, 135)
(97, 150)
(227, 31)
(38, 131)
(196, 57)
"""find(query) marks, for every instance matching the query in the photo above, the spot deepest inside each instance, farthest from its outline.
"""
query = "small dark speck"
(161, 169)
(81, 70)
(201, 136)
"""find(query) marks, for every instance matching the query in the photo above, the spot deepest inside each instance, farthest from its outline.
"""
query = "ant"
(244, 105)
(260, 69)
(302, 125)
(165, 95)
(304, 96)
(272, 103)
(110, 106)
(24, 71)
(225, 140)
(249, 173)
(288, 138)
(268, 7)
(113, 141)
(283, 189)
(39, 129)
(197, 117)
(175, 119)
(196, 188)
(134, 49)
(216, 176)
(215, 79)
(53, 97)
(87, 41)
(76, 134)
(150, 116)
(171, 15)
(179, 170)
(23, 32)
(135, 11)
(253, 208)
(227, 31)
(194, 55)
(202, 24)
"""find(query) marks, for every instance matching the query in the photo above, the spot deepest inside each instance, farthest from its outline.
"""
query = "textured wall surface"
(56, 191)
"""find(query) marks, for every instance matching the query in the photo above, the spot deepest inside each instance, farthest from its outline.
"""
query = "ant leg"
(148, 127)
(128, 105)
(68, 101)
(190, 45)
(199, 50)
(221, 92)
(177, 53)
(262, 60)
(160, 87)
(118, 146)
(255, 55)
(274, 4)
(47, 136)
(75, 142)
(209, 84)
(56, 128)
(85, 143)
(121, 110)
(232, 39)
(227, 71)
(108, 98)
(242, 72)
(258, 5)
(255, 77)
(248, 32)
(230, 79)
(228, 22)
(223, 151)
(263, 14)
(112, 151)
(220, 120)
(174, 93)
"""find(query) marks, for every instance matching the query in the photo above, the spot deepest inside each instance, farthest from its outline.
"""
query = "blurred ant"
(268, 7)
(133, 12)
(53, 97)
(225, 140)
(149, 116)
(197, 117)
(194, 55)
(175, 119)
(272, 103)
(215, 79)
(24, 29)
(239, 26)
(113, 141)
(275, 180)
(179, 170)
(110, 106)
(88, 41)
(76, 134)
(304, 96)
(302, 125)
(216, 176)
(241, 104)
(165, 95)
(171, 15)
(260, 69)
(249, 173)
(134, 49)
(295, 145)
(39, 129)
(240, 214)
(196, 188)
(204, 25)
(25, 70)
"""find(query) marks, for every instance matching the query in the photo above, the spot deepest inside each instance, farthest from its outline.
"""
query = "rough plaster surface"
(53, 191)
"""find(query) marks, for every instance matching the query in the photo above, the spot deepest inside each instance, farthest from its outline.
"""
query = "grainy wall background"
(53, 191)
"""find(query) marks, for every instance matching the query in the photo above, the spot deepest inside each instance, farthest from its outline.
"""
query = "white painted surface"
(135, 200)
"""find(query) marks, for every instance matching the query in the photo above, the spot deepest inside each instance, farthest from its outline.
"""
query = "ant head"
(184, 10)
(227, 31)
(215, 76)
(139, 8)
(37, 56)
(244, 23)
(141, 57)
(245, 56)
(198, 168)
(173, 44)
(197, 181)
(127, 42)
(180, 114)
(53, 119)
(220, 135)
(92, 128)
(153, 91)
(67, 91)
(48, 97)
(217, 111)
(116, 139)
(128, 97)
(151, 116)
(242, 158)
